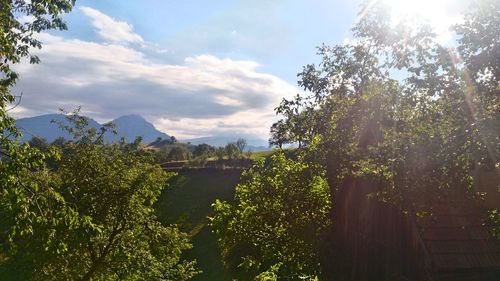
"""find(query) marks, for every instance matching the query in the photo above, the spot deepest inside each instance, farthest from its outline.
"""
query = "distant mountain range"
(128, 126)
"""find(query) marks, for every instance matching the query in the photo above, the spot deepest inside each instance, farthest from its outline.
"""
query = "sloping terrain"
(187, 202)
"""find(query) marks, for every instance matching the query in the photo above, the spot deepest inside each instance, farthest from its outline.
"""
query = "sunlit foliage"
(393, 106)
(94, 217)
(277, 220)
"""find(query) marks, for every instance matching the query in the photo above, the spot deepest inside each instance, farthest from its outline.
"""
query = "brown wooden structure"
(374, 240)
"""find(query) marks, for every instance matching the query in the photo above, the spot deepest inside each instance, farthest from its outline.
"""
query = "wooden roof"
(459, 242)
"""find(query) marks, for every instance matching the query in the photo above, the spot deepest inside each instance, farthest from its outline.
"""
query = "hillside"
(187, 202)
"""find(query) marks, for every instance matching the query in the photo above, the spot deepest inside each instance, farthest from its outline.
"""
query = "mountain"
(132, 126)
(47, 126)
(128, 126)
(253, 143)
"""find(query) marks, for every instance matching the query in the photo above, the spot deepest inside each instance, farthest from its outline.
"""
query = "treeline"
(199, 155)
(170, 150)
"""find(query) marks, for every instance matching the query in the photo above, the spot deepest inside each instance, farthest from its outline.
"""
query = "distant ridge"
(127, 126)
(253, 143)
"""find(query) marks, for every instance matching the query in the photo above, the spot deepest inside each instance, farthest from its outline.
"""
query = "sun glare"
(439, 14)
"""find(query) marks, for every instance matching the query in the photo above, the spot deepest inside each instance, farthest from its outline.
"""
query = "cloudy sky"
(192, 68)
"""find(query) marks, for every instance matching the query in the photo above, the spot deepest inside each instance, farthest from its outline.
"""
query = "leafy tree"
(415, 138)
(19, 198)
(397, 130)
(48, 232)
(277, 220)
(241, 143)
(39, 143)
(220, 153)
(479, 44)
(178, 153)
(59, 142)
(297, 127)
(16, 39)
(204, 151)
(99, 222)
(279, 134)
(232, 151)
(479, 49)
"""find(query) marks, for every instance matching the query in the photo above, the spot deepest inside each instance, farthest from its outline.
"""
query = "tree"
(39, 143)
(298, 125)
(361, 114)
(178, 153)
(279, 134)
(413, 139)
(220, 152)
(53, 227)
(204, 151)
(19, 198)
(479, 44)
(99, 222)
(241, 143)
(277, 220)
(232, 151)
(59, 142)
(16, 40)
(479, 49)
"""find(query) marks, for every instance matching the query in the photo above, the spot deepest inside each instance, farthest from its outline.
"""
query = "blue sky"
(280, 35)
(192, 68)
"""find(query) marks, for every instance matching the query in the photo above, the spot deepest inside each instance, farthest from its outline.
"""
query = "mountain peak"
(131, 117)
(127, 126)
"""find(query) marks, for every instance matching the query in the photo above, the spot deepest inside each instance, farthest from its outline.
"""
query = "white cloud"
(204, 95)
(111, 29)
(248, 122)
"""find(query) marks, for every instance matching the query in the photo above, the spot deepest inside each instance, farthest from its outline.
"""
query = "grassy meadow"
(187, 202)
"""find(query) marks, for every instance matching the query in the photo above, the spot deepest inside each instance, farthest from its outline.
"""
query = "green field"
(187, 202)
(257, 155)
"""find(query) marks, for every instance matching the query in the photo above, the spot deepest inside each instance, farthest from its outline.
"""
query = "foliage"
(220, 152)
(204, 151)
(16, 39)
(172, 152)
(422, 134)
(59, 142)
(178, 153)
(99, 221)
(479, 45)
(417, 137)
(20, 197)
(232, 151)
(279, 215)
(39, 143)
(494, 220)
(241, 143)
(279, 134)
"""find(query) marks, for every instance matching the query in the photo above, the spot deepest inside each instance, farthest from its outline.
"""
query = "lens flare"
(439, 14)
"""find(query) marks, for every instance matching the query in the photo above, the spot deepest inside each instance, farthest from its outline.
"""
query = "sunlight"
(437, 13)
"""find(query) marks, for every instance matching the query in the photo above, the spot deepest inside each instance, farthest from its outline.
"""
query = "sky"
(192, 68)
